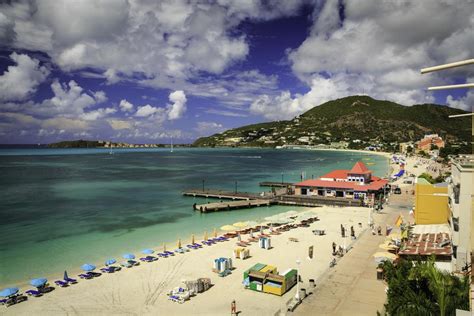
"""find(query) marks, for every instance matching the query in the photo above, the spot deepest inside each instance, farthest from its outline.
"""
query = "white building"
(461, 206)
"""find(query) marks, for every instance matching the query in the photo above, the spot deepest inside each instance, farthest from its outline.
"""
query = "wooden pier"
(298, 200)
(230, 205)
(275, 184)
(221, 194)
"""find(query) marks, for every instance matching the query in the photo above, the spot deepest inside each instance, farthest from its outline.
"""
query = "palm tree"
(419, 288)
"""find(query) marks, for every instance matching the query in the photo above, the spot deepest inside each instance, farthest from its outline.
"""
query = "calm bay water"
(60, 208)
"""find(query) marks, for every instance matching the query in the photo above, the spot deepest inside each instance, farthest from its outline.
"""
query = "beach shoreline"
(198, 263)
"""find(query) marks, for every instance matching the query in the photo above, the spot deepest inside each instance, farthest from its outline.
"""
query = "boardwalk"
(229, 205)
(221, 194)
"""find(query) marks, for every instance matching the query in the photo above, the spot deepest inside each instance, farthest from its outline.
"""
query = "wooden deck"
(221, 194)
(275, 184)
(230, 205)
(298, 200)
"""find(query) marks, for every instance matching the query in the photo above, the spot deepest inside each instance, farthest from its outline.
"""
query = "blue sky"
(143, 71)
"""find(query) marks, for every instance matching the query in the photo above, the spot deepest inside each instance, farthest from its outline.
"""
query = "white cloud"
(225, 113)
(380, 47)
(69, 100)
(21, 81)
(119, 124)
(126, 106)
(164, 40)
(286, 106)
(65, 123)
(178, 107)
(98, 114)
(147, 110)
(465, 103)
(208, 128)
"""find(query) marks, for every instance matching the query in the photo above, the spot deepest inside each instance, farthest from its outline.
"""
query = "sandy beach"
(142, 290)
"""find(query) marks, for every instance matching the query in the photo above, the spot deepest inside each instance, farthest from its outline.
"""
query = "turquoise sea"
(61, 208)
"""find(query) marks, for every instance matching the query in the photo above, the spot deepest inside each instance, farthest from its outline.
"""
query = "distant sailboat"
(111, 152)
(171, 145)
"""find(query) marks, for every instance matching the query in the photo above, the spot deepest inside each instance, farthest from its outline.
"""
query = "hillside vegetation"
(357, 120)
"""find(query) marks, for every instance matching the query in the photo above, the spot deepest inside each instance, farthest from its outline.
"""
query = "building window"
(456, 224)
(456, 191)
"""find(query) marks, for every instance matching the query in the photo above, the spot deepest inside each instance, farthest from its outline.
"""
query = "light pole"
(235, 187)
(297, 296)
(282, 178)
(203, 185)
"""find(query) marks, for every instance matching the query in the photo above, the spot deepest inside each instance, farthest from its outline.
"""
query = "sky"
(148, 71)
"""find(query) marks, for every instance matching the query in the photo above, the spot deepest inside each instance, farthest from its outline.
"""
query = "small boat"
(171, 145)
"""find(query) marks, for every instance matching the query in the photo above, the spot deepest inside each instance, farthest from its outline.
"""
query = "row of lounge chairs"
(14, 299)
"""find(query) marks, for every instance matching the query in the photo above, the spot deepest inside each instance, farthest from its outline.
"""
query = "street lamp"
(297, 296)
(282, 178)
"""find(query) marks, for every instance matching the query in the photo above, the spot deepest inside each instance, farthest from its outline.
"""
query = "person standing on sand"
(233, 308)
(333, 247)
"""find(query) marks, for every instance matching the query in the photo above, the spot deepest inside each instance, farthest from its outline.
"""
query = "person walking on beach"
(233, 308)
(333, 247)
(353, 236)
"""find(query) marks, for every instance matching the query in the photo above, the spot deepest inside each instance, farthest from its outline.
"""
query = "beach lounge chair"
(34, 293)
(169, 253)
(242, 244)
(3, 301)
(126, 264)
(60, 283)
(85, 276)
(94, 274)
(148, 259)
(14, 300)
(133, 262)
(70, 280)
(162, 255)
(108, 269)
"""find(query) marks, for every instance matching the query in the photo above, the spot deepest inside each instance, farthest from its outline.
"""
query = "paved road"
(352, 288)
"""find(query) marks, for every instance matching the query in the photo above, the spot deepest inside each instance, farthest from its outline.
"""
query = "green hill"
(360, 118)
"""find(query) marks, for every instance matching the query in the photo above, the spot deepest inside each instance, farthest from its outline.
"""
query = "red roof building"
(357, 183)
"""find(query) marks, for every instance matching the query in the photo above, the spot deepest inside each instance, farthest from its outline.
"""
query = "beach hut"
(264, 243)
(265, 278)
(222, 266)
(241, 253)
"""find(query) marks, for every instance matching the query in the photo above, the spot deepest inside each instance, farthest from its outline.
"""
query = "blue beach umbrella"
(9, 291)
(148, 251)
(38, 282)
(110, 261)
(129, 256)
(88, 267)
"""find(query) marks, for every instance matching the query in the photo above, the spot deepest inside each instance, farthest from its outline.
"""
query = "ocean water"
(61, 208)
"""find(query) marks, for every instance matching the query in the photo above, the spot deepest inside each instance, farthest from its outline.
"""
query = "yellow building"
(431, 203)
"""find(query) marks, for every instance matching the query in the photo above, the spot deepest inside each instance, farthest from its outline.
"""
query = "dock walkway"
(229, 205)
(275, 184)
(221, 194)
